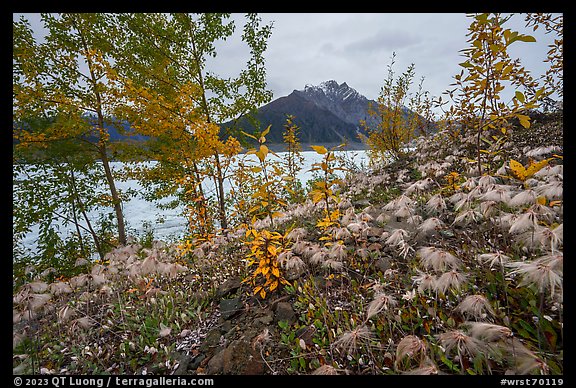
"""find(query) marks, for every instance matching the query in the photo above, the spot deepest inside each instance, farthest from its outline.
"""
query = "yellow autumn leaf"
(541, 200)
(263, 151)
(534, 167)
(319, 149)
(263, 293)
(276, 272)
(518, 170)
(274, 285)
(524, 120)
(265, 132)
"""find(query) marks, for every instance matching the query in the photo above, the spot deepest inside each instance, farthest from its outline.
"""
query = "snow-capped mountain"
(340, 99)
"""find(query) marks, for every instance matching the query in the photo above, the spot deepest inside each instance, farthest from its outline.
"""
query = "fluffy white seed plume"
(66, 313)
(436, 204)
(469, 184)
(381, 302)
(344, 204)
(461, 342)
(475, 306)
(37, 286)
(403, 212)
(297, 234)
(487, 181)
(550, 171)
(450, 280)
(437, 259)
(524, 361)
(351, 341)
(342, 234)
(466, 217)
(84, 323)
(498, 194)
(59, 288)
(299, 247)
(149, 265)
(493, 259)
(397, 237)
(487, 332)
(525, 222)
(464, 203)
(544, 273)
(78, 281)
(338, 252)
(357, 227)
(525, 197)
(295, 263)
(365, 217)
(400, 201)
(310, 251)
(415, 219)
(410, 346)
(488, 208)
(284, 256)
(425, 281)
(318, 258)
(333, 265)
(349, 217)
(426, 368)
(550, 238)
(539, 151)
(430, 226)
(552, 190)
(457, 197)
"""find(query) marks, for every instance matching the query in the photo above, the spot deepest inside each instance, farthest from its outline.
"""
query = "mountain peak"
(332, 91)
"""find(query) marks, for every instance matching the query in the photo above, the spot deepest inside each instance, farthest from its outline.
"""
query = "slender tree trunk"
(115, 197)
(219, 175)
(102, 146)
(72, 189)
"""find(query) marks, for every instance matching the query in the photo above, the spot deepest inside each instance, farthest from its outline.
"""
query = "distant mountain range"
(327, 113)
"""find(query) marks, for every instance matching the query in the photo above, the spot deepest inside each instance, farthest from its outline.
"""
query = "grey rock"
(212, 340)
(196, 361)
(284, 312)
(215, 365)
(228, 287)
(226, 327)
(183, 361)
(230, 307)
(240, 358)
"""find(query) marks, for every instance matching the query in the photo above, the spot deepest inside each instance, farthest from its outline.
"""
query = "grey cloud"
(383, 40)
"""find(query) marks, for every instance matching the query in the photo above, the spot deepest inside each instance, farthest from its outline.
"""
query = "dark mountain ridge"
(327, 113)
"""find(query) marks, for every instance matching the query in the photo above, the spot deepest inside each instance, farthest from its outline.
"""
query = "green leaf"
(520, 96)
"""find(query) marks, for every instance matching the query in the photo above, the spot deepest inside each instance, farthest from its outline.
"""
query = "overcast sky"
(308, 48)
